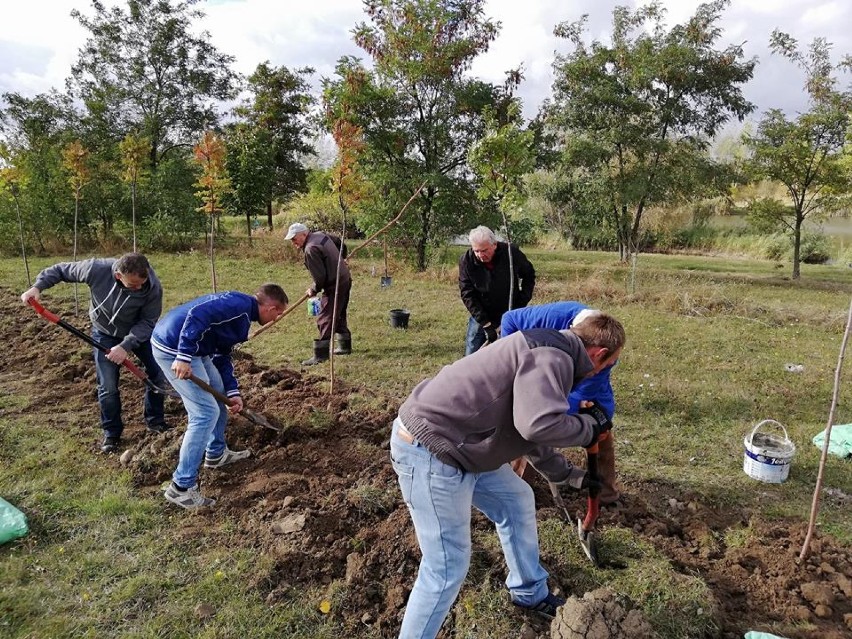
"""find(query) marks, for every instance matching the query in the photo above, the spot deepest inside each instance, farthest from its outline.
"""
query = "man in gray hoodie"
(453, 442)
(126, 301)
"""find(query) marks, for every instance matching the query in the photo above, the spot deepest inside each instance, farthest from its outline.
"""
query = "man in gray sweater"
(126, 301)
(453, 442)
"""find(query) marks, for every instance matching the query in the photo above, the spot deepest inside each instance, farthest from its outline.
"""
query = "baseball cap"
(295, 228)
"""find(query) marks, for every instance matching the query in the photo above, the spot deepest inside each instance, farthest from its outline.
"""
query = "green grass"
(708, 339)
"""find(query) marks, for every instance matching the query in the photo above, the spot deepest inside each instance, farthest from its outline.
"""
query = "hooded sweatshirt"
(114, 309)
(504, 402)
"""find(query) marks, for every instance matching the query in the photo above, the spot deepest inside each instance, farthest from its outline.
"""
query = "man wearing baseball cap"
(322, 258)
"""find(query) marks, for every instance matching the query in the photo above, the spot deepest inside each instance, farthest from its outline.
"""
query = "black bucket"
(399, 318)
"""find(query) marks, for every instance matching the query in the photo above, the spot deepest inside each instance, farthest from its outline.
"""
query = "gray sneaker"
(228, 457)
(191, 498)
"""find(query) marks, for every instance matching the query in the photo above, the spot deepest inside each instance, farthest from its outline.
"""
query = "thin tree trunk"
(797, 246)
(269, 214)
(212, 259)
(133, 210)
(76, 212)
(248, 226)
(511, 261)
(21, 236)
(336, 299)
(824, 456)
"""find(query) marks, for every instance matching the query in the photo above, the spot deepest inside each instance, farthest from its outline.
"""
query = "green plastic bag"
(841, 440)
(13, 523)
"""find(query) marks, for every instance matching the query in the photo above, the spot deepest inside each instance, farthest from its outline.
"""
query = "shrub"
(814, 248)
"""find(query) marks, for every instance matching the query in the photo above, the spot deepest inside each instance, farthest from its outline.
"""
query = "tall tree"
(272, 138)
(634, 113)
(36, 129)
(417, 110)
(143, 69)
(805, 153)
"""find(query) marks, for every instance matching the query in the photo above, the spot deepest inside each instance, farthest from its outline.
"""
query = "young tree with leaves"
(12, 182)
(417, 109)
(75, 160)
(213, 183)
(134, 150)
(805, 154)
(635, 113)
(501, 159)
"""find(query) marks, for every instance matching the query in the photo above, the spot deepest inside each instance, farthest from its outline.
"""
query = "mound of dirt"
(599, 614)
(321, 498)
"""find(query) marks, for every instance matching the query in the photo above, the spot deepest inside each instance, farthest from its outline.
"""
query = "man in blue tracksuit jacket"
(196, 338)
(597, 389)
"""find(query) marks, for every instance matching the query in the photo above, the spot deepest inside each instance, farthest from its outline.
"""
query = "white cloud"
(39, 40)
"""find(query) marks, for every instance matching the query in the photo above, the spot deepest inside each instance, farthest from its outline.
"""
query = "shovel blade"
(587, 542)
(260, 420)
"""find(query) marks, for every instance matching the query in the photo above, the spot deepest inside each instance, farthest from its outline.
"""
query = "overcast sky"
(39, 40)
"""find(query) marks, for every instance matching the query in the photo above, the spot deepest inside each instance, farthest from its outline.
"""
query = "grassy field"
(708, 342)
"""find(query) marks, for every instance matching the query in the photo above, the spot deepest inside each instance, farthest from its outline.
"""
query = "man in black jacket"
(488, 289)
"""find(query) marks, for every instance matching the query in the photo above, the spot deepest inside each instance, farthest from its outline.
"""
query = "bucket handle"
(767, 421)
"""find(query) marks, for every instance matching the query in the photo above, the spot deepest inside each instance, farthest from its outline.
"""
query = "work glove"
(490, 334)
(571, 486)
(602, 421)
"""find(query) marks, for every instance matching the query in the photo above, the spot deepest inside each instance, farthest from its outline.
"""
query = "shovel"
(586, 525)
(386, 279)
(250, 415)
(133, 368)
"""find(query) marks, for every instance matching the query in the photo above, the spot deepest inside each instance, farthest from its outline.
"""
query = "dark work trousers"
(327, 311)
(108, 397)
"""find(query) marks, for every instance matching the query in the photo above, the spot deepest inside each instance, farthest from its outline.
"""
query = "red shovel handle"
(55, 319)
(41, 310)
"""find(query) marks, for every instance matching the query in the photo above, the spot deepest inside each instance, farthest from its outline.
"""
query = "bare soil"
(321, 497)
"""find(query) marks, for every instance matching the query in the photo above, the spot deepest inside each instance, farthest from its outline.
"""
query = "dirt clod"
(600, 614)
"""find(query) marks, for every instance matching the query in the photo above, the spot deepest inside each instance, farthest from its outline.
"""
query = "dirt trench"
(321, 497)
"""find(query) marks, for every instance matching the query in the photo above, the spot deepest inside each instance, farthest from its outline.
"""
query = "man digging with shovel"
(194, 342)
(126, 300)
(452, 443)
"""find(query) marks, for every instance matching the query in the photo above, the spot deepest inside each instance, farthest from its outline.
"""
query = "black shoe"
(546, 607)
(158, 428)
(110, 444)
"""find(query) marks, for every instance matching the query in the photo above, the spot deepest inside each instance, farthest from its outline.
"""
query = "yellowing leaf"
(325, 606)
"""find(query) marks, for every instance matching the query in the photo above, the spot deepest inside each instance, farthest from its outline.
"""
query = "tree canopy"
(633, 115)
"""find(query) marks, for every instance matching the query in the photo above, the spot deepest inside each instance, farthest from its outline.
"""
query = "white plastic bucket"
(768, 456)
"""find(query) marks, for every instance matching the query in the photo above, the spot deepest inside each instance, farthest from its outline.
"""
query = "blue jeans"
(475, 337)
(109, 398)
(205, 429)
(439, 498)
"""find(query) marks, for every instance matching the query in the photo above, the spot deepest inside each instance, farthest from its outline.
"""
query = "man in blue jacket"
(126, 300)
(597, 388)
(196, 338)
